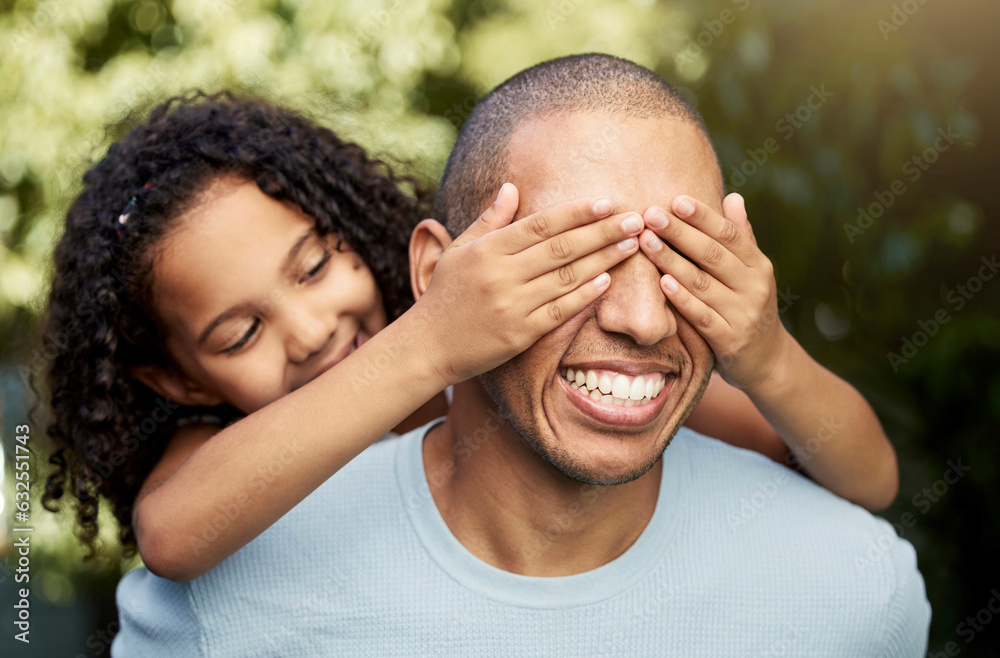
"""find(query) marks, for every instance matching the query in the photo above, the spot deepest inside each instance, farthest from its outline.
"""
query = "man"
(541, 518)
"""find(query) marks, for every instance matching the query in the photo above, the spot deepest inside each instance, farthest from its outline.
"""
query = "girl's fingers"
(498, 215)
(700, 315)
(544, 224)
(716, 229)
(556, 253)
(701, 249)
(735, 210)
(556, 283)
(550, 315)
(706, 287)
(698, 247)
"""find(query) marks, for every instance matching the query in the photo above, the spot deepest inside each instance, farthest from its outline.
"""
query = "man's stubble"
(503, 381)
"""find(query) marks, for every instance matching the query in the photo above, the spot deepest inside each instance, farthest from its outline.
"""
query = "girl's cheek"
(264, 393)
(248, 388)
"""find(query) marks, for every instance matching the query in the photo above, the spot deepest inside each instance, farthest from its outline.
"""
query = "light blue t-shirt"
(741, 557)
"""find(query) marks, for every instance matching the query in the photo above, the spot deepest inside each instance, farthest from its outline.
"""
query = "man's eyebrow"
(286, 266)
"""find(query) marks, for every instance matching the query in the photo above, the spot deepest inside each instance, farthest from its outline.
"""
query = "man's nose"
(634, 304)
(306, 330)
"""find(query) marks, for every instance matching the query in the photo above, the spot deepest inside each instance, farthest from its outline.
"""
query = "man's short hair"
(592, 82)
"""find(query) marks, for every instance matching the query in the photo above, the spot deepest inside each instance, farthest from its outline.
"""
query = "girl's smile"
(254, 301)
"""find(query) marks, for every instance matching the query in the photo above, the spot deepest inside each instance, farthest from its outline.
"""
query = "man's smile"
(614, 387)
(620, 393)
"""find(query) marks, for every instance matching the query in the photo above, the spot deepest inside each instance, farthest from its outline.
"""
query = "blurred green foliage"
(817, 110)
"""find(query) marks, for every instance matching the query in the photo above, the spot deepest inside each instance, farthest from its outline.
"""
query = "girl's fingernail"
(659, 220)
(502, 188)
(627, 245)
(654, 243)
(602, 206)
(602, 280)
(684, 207)
(631, 224)
(670, 283)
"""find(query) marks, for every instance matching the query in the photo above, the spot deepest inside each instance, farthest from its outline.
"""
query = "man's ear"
(427, 242)
(175, 386)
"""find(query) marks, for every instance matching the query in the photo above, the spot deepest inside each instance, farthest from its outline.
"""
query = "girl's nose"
(308, 331)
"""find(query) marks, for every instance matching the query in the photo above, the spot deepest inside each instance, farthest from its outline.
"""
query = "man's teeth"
(615, 388)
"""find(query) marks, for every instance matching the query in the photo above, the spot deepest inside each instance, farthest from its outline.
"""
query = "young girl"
(230, 258)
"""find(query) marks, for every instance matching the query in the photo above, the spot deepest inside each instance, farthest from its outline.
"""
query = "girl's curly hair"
(108, 429)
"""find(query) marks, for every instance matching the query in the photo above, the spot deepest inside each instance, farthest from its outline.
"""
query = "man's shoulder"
(300, 570)
(777, 537)
(362, 493)
(372, 466)
(769, 512)
(748, 486)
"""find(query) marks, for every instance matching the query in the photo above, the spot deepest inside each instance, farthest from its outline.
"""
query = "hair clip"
(127, 211)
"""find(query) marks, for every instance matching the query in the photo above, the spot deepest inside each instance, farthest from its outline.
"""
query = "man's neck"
(513, 510)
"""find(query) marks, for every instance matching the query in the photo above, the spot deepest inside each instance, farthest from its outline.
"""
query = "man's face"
(630, 332)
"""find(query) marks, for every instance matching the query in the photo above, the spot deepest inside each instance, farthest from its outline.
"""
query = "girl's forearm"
(832, 430)
(256, 470)
(728, 414)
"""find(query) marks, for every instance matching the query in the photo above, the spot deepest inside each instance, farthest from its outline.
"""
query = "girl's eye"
(243, 340)
(317, 268)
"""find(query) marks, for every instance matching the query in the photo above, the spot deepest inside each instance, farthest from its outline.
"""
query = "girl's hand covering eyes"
(500, 286)
(728, 293)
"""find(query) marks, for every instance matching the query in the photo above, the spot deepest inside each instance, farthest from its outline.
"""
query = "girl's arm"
(728, 293)
(254, 471)
(828, 426)
(496, 289)
(728, 414)
(831, 429)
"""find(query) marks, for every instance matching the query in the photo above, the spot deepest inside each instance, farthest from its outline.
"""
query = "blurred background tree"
(862, 134)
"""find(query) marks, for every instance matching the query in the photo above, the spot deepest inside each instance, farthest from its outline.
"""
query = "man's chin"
(580, 451)
(602, 471)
